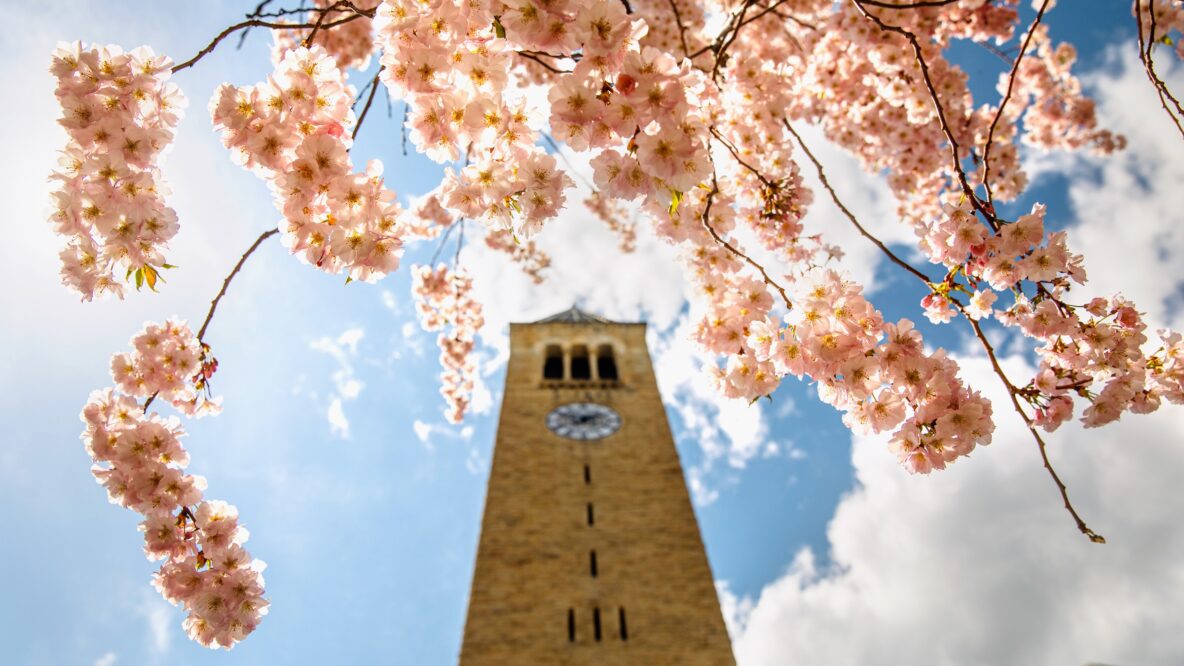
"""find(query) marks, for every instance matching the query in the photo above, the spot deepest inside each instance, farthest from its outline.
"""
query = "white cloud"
(981, 565)
(346, 386)
(1126, 206)
(338, 423)
(427, 433)
(108, 659)
(159, 616)
(736, 609)
(725, 429)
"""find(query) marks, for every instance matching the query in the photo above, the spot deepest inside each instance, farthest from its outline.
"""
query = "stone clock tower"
(589, 550)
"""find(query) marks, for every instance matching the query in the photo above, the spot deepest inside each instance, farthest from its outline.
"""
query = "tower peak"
(574, 315)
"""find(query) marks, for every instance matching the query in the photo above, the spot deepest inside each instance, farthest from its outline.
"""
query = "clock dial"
(583, 421)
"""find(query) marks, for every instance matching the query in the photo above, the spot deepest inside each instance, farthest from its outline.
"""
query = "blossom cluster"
(169, 363)
(140, 461)
(292, 130)
(1058, 115)
(445, 303)
(1100, 343)
(120, 112)
(350, 41)
(448, 61)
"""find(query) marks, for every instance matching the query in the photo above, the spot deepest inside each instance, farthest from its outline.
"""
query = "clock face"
(583, 421)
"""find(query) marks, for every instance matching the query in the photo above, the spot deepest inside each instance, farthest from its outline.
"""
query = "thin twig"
(254, 23)
(1145, 46)
(369, 100)
(706, 217)
(201, 332)
(255, 14)
(987, 212)
(850, 216)
(443, 240)
(532, 56)
(736, 156)
(682, 29)
(1011, 392)
(563, 156)
(1015, 68)
(912, 5)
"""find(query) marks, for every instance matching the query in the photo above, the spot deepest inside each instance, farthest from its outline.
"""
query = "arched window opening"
(596, 623)
(571, 625)
(624, 627)
(581, 368)
(553, 363)
(592, 562)
(587, 474)
(606, 363)
(591, 515)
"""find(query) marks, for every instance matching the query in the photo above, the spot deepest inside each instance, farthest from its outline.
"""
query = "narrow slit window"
(587, 474)
(591, 515)
(571, 625)
(553, 362)
(596, 623)
(592, 563)
(581, 368)
(606, 363)
(624, 627)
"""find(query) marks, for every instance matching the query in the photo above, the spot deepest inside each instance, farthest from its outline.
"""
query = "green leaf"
(675, 199)
(498, 28)
(167, 266)
(348, 279)
(139, 278)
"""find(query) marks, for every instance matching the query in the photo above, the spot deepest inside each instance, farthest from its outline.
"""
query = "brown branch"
(731, 248)
(728, 36)
(1015, 68)
(851, 216)
(911, 5)
(369, 101)
(532, 56)
(1145, 46)
(1012, 391)
(682, 29)
(201, 332)
(736, 156)
(256, 23)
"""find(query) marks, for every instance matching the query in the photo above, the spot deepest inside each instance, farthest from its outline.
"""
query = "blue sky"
(824, 550)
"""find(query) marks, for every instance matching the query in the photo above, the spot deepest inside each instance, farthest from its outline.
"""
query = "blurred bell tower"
(589, 550)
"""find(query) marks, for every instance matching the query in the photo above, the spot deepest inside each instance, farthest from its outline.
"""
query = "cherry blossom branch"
(259, 23)
(201, 332)
(978, 204)
(369, 100)
(1145, 46)
(731, 248)
(1015, 68)
(1012, 392)
(851, 216)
